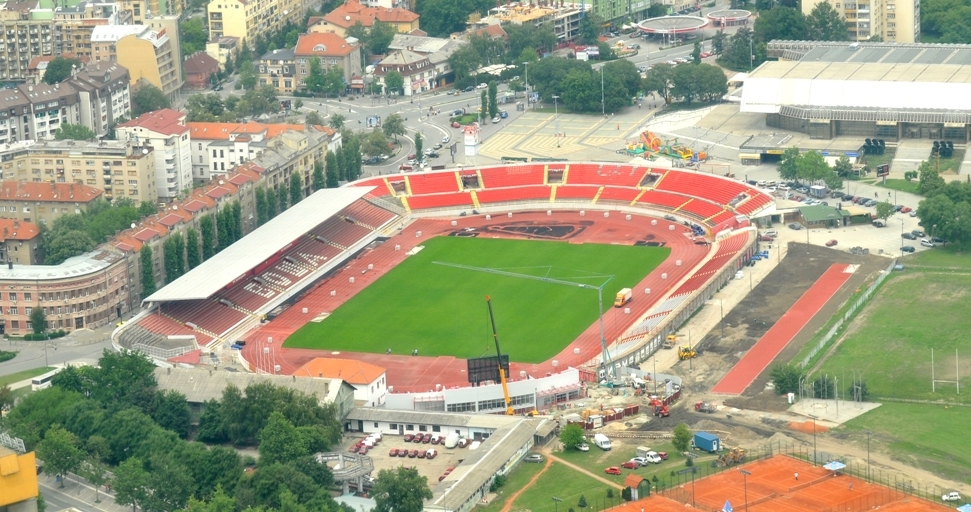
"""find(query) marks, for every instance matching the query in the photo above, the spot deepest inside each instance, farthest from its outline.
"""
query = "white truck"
(623, 297)
(602, 442)
(451, 440)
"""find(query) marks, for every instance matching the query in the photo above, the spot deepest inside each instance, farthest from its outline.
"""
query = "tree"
(742, 51)
(296, 188)
(843, 167)
(580, 91)
(131, 483)
(787, 164)
(280, 441)
(207, 108)
(657, 10)
(590, 28)
(193, 35)
(780, 23)
(313, 118)
(380, 36)
(418, 145)
(148, 98)
(682, 437)
(314, 82)
(785, 378)
(610, 493)
(571, 436)
(393, 126)
(929, 180)
(375, 143)
(884, 210)
(685, 83)
(582, 502)
(38, 320)
(171, 411)
(74, 132)
(7, 398)
(493, 99)
(336, 121)
(393, 82)
(272, 201)
(317, 178)
(63, 246)
(148, 270)
(59, 69)
(825, 24)
(262, 214)
(96, 473)
(659, 80)
(193, 258)
(59, 451)
(400, 490)
(332, 171)
(247, 75)
(625, 493)
(718, 43)
(208, 228)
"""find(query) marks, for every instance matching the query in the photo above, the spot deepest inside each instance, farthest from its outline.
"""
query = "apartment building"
(95, 96)
(42, 202)
(565, 18)
(133, 8)
(26, 33)
(146, 54)
(246, 19)
(351, 12)
(332, 50)
(19, 242)
(164, 131)
(893, 21)
(223, 50)
(73, 25)
(116, 168)
(217, 148)
(87, 291)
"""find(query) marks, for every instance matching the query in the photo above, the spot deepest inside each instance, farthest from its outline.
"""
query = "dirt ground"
(761, 308)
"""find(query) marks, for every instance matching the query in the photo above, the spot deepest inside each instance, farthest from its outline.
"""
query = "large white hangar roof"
(253, 249)
(813, 84)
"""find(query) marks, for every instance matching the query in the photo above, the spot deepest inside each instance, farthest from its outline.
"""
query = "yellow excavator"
(502, 373)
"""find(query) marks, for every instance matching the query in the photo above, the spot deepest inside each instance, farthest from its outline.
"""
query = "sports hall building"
(884, 90)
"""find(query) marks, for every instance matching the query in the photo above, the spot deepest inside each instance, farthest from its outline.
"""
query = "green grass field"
(891, 340)
(560, 481)
(24, 375)
(441, 310)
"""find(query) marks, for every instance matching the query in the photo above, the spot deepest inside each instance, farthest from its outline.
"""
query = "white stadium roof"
(870, 86)
(225, 267)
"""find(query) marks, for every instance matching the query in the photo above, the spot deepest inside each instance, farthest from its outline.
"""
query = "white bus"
(43, 381)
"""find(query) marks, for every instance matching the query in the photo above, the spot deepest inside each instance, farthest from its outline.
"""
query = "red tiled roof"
(12, 229)
(171, 219)
(165, 121)
(239, 179)
(201, 62)
(218, 192)
(492, 31)
(323, 44)
(222, 131)
(193, 206)
(146, 234)
(348, 370)
(352, 11)
(46, 191)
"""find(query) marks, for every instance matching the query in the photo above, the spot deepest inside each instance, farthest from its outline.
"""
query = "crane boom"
(502, 373)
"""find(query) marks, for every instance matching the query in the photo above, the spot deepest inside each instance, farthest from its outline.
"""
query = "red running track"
(780, 334)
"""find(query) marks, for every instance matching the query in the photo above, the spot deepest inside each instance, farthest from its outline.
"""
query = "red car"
(663, 455)
(455, 124)
(421, 454)
(612, 470)
(831, 243)
(402, 452)
(630, 465)
(393, 452)
(409, 437)
(412, 454)
(418, 438)
(906, 209)
(427, 439)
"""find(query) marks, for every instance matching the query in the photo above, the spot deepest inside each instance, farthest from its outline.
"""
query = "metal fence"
(847, 315)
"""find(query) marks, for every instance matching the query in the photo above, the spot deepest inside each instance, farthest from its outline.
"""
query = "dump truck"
(670, 341)
(686, 352)
(623, 297)
(707, 407)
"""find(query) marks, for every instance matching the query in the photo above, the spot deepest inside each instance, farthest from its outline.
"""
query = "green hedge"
(6, 356)
(39, 337)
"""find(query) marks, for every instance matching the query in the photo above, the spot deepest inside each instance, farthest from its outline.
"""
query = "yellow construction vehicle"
(671, 341)
(502, 373)
(733, 456)
(686, 352)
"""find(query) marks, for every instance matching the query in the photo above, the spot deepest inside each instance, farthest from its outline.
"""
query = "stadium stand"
(663, 199)
(380, 186)
(700, 208)
(754, 203)
(366, 214)
(457, 199)
(577, 191)
(432, 183)
(513, 194)
(212, 317)
(512, 176)
(605, 174)
(704, 186)
(625, 195)
(727, 248)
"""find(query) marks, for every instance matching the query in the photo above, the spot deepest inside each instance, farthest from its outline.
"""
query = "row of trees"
(212, 107)
(810, 168)
(687, 83)
(946, 21)
(111, 424)
(75, 234)
(946, 211)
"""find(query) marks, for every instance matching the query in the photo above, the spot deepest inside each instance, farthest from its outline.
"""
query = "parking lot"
(431, 469)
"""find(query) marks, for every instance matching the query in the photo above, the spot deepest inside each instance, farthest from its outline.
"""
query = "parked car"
(468, 89)
(937, 240)
(907, 248)
(770, 232)
(796, 226)
(897, 207)
(927, 243)
(653, 457)
(612, 470)
(412, 454)
(534, 457)
(495, 120)
(430, 454)
(445, 139)
(909, 236)
(422, 453)
(641, 461)
(951, 496)
(409, 437)
(393, 452)
(402, 452)
(583, 447)
(671, 218)
(913, 213)
(438, 146)
(630, 465)
(765, 238)
(482, 86)
(831, 243)
(906, 209)
(455, 124)
(918, 233)
(663, 455)
(503, 114)
(870, 203)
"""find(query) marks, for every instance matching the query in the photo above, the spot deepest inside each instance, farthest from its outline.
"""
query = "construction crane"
(610, 373)
(502, 373)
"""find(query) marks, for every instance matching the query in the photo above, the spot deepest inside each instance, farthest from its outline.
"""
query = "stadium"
(393, 271)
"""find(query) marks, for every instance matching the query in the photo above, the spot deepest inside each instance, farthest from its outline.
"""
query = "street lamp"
(867, 432)
(556, 114)
(814, 437)
(745, 475)
(654, 375)
(526, 65)
(603, 107)
(556, 502)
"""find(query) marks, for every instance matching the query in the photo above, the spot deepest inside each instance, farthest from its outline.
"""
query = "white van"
(602, 442)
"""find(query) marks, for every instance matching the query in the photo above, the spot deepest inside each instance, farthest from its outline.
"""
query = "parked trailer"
(707, 442)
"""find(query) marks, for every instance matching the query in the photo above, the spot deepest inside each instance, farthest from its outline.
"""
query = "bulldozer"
(686, 352)
(670, 341)
(733, 456)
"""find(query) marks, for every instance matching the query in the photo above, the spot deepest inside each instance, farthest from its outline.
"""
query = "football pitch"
(441, 310)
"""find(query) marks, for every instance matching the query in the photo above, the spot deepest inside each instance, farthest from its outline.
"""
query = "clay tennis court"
(772, 487)
(419, 374)
(779, 335)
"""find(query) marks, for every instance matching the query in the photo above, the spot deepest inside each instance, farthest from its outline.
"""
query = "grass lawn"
(941, 258)
(441, 310)
(890, 341)
(872, 161)
(920, 435)
(517, 479)
(560, 481)
(596, 461)
(901, 185)
(26, 374)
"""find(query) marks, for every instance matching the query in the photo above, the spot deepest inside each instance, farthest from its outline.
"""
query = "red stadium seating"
(605, 174)
(754, 203)
(367, 214)
(513, 194)
(210, 315)
(663, 199)
(380, 187)
(705, 186)
(618, 194)
(702, 209)
(721, 217)
(432, 183)
(456, 199)
(577, 191)
(513, 176)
